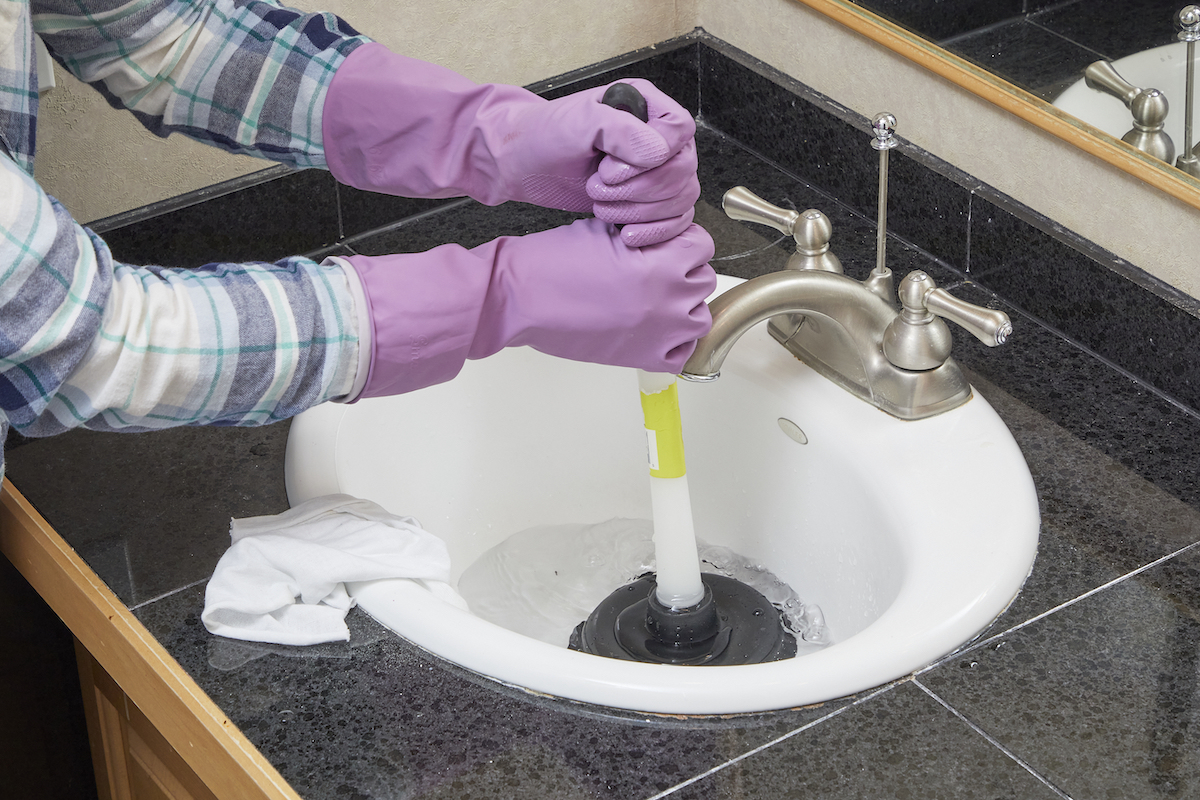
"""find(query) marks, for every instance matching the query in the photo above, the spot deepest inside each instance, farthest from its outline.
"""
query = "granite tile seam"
(996, 637)
(170, 593)
(777, 740)
(450, 207)
(993, 741)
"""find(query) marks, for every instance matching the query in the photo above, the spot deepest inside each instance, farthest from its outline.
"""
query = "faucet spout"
(858, 310)
(838, 327)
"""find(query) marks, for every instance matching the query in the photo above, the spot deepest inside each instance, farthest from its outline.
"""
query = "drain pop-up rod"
(1188, 22)
(880, 280)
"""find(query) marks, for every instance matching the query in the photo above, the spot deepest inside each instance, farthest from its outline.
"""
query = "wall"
(100, 162)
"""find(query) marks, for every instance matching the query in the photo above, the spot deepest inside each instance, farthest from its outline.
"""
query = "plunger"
(680, 616)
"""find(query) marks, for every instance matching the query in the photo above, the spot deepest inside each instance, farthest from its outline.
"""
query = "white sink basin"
(910, 536)
(1163, 68)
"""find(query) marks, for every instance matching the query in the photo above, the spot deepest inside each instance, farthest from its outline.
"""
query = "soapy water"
(544, 581)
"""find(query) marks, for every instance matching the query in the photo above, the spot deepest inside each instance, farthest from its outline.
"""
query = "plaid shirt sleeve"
(246, 75)
(86, 342)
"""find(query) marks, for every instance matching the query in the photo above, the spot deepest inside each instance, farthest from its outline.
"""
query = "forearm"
(246, 75)
(86, 342)
(232, 344)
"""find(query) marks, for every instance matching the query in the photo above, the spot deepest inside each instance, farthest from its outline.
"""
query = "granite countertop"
(1085, 687)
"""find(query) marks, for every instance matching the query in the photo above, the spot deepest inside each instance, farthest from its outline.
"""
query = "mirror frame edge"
(1011, 98)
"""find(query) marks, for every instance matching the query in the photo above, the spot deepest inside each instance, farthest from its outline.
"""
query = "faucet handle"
(810, 229)
(743, 205)
(1102, 76)
(917, 339)
(988, 325)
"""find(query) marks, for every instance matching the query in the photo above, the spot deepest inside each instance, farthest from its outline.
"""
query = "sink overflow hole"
(792, 430)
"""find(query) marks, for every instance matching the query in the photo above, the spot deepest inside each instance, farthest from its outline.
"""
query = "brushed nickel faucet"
(851, 332)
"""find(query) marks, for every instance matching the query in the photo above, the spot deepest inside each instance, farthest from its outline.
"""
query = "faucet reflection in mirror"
(1150, 106)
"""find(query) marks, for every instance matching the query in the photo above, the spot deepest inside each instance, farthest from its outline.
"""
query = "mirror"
(1024, 54)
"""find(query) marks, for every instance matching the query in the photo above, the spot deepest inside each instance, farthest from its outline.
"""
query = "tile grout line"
(970, 225)
(337, 201)
(165, 595)
(992, 741)
(772, 743)
(1060, 607)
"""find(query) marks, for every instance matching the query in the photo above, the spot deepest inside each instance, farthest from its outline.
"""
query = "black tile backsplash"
(1115, 28)
(829, 146)
(1028, 55)
(1138, 330)
(261, 222)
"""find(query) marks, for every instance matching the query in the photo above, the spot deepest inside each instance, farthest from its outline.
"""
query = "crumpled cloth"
(283, 579)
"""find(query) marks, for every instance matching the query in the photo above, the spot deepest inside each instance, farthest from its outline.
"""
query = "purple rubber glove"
(401, 126)
(576, 292)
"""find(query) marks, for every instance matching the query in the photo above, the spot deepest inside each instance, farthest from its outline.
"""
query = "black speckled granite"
(128, 529)
(291, 214)
(1084, 687)
(1101, 697)
(902, 743)
(362, 212)
(671, 66)
(811, 136)
(1147, 333)
(1115, 28)
(408, 725)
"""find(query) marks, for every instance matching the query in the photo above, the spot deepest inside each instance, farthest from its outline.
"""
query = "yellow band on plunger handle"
(664, 432)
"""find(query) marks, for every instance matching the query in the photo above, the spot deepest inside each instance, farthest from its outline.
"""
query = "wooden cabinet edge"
(211, 745)
(133, 761)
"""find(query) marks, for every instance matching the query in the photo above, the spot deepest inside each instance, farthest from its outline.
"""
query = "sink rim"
(847, 667)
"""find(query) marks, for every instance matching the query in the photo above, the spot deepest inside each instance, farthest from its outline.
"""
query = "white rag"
(283, 578)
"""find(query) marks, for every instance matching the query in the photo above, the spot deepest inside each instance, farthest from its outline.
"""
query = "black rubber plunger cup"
(733, 624)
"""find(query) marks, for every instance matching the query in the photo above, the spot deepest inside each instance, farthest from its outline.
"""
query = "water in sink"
(544, 581)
